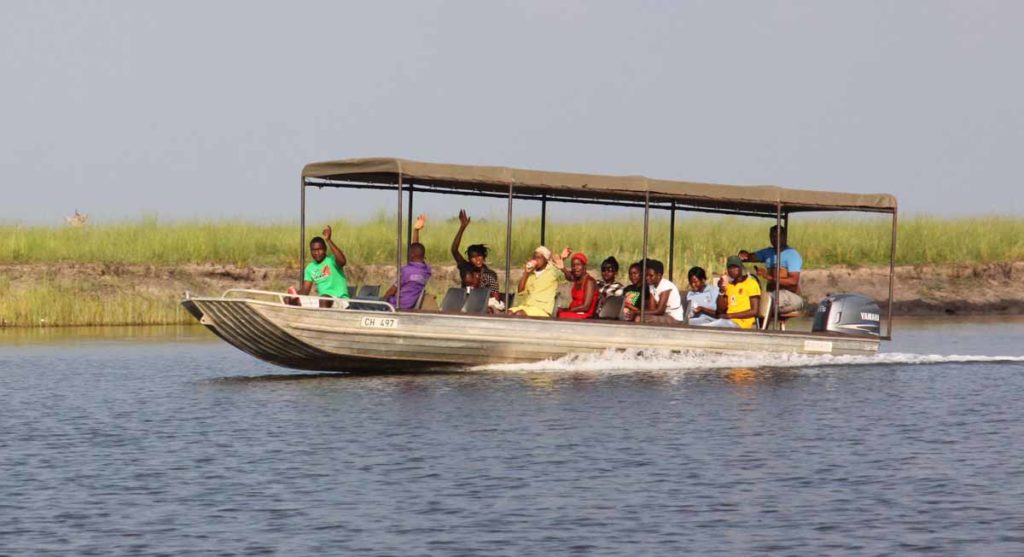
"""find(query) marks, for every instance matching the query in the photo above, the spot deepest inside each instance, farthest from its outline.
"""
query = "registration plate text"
(379, 323)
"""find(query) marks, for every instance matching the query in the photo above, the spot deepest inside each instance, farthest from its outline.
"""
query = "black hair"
(782, 229)
(417, 249)
(697, 272)
(638, 265)
(611, 262)
(656, 265)
(318, 240)
(478, 249)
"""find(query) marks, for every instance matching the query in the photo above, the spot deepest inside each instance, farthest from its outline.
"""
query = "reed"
(699, 240)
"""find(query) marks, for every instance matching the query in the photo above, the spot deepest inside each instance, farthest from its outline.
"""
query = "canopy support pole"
(508, 247)
(778, 261)
(543, 218)
(892, 277)
(408, 226)
(671, 241)
(398, 251)
(302, 231)
(643, 265)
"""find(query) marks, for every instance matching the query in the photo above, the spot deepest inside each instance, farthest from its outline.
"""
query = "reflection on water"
(149, 444)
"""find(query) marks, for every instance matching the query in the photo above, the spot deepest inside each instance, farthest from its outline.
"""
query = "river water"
(171, 442)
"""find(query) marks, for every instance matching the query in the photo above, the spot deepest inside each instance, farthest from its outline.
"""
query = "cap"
(734, 261)
(543, 251)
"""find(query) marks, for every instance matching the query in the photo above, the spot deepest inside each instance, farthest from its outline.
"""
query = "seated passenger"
(787, 271)
(702, 297)
(538, 286)
(664, 304)
(631, 293)
(608, 286)
(414, 275)
(325, 271)
(476, 256)
(471, 279)
(584, 287)
(739, 297)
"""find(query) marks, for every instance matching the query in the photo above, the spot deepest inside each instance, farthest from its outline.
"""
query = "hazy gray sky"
(208, 109)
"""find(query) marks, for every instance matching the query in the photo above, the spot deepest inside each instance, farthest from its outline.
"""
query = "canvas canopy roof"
(496, 180)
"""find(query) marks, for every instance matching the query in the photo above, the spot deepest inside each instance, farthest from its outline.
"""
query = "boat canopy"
(554, 186)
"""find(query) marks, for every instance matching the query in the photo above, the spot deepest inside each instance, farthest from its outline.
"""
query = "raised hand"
(327, 232)
(421, 221)
(566, 253)
(463, 218)
(559, 260)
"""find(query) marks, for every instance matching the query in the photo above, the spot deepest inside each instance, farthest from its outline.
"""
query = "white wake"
(640, 360)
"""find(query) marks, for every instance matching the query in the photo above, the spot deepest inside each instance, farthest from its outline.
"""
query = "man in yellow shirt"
(739, 297)
(537, 286)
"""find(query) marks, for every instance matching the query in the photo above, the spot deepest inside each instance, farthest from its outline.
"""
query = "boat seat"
(783, 317)
(453, 300)
(764, 312)
(554, 306)
(476, 301)
(511, 299)
(612, 308)
(368, 292)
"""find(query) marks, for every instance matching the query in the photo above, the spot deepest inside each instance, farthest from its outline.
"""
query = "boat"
(373, 336)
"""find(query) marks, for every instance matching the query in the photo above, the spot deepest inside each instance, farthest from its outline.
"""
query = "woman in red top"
(584, 287)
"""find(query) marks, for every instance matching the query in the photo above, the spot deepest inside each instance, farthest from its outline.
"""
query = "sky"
(210, 109)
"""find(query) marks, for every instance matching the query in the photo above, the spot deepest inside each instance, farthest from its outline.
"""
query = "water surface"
(168, 442)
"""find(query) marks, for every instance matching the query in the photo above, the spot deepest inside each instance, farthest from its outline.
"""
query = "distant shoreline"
(88, 294)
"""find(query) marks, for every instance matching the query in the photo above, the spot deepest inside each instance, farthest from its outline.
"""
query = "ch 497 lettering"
(370, 322)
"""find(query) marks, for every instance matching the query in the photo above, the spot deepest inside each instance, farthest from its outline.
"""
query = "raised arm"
(457, 241)
(420, 223)
(339, 256)
(526, 274)
(559, 262)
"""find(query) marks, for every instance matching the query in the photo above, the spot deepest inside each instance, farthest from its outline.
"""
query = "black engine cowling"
(849, 314)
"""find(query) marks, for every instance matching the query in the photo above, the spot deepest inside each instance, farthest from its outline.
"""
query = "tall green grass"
(701, 240)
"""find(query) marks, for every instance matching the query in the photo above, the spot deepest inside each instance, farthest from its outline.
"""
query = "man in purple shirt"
(414, 274)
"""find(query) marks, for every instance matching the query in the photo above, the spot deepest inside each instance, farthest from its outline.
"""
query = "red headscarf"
(581, 256)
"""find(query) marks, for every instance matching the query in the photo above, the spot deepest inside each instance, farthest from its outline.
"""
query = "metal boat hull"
(360, 341)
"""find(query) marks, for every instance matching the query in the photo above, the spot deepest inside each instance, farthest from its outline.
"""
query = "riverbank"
(70, 294)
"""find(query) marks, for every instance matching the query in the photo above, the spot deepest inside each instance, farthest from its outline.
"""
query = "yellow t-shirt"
(739, 299)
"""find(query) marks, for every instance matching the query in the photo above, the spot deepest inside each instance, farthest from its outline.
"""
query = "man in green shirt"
(325, 271)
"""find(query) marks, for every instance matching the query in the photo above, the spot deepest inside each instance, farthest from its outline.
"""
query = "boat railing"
(283, 298)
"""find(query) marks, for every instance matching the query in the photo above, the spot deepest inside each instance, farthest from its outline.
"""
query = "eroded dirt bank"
(920, 289)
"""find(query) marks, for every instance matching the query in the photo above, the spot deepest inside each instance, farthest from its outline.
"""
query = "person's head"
(609, 268)
(734, 267)
(772, 235)
(634, 273)
(698, 278)
(477, 255)
(655, 270)
(541, 256)
(579, 265)
(417, 252)
(470, 276)
(318, 249)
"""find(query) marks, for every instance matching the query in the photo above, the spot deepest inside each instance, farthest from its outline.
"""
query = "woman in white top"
(664, 304)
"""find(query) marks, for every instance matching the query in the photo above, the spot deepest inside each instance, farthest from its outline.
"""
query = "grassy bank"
(702, 240)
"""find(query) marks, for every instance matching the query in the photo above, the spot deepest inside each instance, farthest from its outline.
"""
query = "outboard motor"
(849, 314)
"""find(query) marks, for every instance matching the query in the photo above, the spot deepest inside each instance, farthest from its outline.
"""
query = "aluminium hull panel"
(333, 340)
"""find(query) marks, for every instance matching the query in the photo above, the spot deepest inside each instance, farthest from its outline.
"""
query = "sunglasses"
(608, 269)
